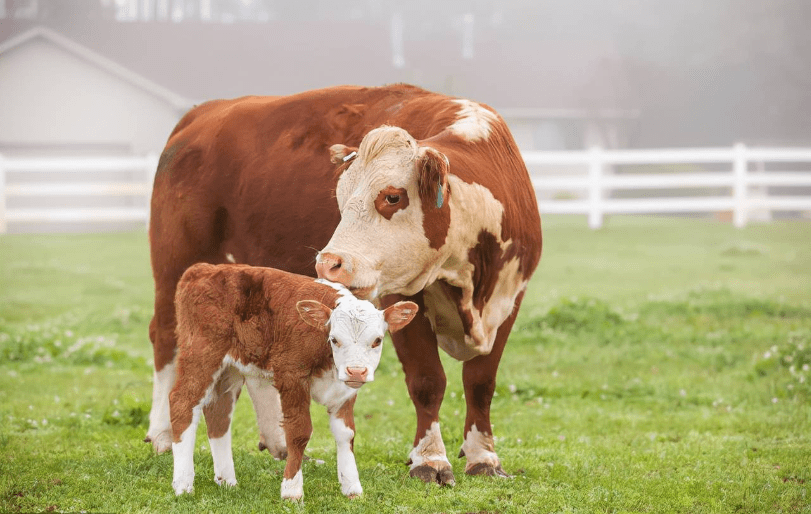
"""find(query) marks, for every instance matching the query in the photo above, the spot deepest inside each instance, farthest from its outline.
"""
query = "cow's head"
(395, 216)
(356, 329)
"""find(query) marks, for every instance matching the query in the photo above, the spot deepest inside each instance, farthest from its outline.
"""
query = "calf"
(310, 339)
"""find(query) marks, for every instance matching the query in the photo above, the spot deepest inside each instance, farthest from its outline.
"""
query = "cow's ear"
(340, 154)
(314, 313)
(400, 314)
(432, 168)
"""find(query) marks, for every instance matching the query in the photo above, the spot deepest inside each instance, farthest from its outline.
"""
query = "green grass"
(658, 365)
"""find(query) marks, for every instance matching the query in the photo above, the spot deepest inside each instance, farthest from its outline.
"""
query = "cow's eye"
(392, 199)
(334, 342)
(377, 342)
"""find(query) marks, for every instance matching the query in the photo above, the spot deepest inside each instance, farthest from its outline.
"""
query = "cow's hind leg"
(218, 414)
(342, 424)
(268, 408)
(417, 350)
(162, 335)
(479, 378)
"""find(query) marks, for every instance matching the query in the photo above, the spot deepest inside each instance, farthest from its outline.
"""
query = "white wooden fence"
(592, 175)
(134, 179)
(597, 179)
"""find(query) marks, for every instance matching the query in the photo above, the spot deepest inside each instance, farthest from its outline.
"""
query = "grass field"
(658, 365)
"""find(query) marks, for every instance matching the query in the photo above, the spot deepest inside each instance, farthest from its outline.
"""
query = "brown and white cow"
(435, 205)
(310, 339)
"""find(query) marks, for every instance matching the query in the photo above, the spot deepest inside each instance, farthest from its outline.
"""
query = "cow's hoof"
(487, 469)
(161, 443)
(430, 474)
(278, 453)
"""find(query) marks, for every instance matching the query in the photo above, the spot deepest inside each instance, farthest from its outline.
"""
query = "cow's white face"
(355, 329)
(394, 209)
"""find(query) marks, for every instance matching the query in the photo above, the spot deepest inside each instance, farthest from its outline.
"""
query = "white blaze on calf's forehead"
(353, 317)
(473, 122)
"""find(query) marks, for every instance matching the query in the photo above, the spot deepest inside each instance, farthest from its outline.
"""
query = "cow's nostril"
(336, 266)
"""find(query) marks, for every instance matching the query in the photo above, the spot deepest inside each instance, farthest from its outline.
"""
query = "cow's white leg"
(223, 459)
(293, 488)
(183, 454)
(430, 451)
(160, 426)
(268, 408)
(347, 468)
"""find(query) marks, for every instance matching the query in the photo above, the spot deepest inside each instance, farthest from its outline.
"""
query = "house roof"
(173, 99)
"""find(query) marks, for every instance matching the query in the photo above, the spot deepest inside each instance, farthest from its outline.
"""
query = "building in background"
(59, 97)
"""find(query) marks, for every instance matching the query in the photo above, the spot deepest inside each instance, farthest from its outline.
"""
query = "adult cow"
(434, 205)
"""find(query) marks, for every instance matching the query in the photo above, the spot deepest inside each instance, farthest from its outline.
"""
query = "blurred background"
(90, 89)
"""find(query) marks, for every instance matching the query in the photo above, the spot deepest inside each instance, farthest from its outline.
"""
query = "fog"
(686, 73)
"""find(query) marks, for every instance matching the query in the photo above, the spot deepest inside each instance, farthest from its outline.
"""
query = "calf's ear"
(314, 313)
(400, 314)
(340, 154)
(432, 173)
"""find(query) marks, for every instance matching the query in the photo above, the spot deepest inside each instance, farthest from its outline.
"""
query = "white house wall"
(50, 96)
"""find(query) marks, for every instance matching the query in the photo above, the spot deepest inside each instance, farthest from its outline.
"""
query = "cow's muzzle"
(334, 268)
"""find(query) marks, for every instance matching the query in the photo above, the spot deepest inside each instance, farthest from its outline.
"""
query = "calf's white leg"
(218, 414)
(223, 459)
(183, 454)
(347, 467)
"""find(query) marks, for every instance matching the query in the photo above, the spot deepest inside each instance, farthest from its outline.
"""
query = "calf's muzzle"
(356, 376)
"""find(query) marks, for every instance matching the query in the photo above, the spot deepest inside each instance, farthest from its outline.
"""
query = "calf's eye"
(334, 342)
(392, 199)
(377, 342)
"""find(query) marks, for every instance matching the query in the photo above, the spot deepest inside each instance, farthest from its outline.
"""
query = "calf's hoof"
(486, 469)
(434, 472)
(228, 482)
(182, 487)
(352, 491)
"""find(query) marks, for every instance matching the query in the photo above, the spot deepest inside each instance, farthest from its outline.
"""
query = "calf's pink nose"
(333, 268)
(356, 374)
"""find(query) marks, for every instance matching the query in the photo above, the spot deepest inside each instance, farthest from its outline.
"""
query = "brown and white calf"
(310, 339)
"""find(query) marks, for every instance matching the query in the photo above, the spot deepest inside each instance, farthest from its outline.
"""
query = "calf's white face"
(356, 329)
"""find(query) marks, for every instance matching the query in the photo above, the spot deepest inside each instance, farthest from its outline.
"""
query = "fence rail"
(597, 179)
(133, 176)
(592, 174)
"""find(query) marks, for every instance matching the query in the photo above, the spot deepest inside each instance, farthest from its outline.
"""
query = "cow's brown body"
(250, 180)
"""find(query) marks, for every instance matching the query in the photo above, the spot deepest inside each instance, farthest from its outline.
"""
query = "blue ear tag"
(439, 198)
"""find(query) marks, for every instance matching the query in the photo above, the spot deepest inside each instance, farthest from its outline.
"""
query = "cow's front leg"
(268, 408)
(298, 428)
(342, 424)
(479, 378)
(218, 414)
(417, 350)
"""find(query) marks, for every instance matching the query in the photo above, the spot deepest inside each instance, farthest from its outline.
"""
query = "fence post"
(739, 189)
(595, 187)
(151, 167)
(3, 223)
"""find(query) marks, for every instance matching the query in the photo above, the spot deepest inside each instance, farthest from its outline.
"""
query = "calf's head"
(356, 329)
(395, 215)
